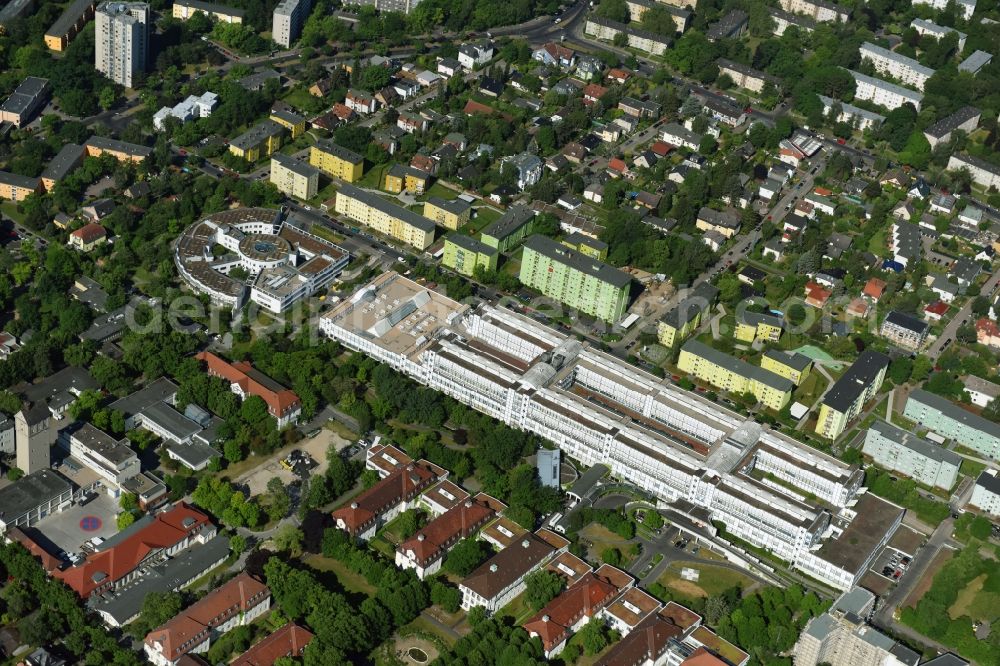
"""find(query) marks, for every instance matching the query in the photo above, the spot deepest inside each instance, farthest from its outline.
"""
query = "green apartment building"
(949, 420)
(574, 279)
(513, 227)
(463, 253)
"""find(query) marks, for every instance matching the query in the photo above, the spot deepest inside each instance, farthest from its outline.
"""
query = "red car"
(841, 141)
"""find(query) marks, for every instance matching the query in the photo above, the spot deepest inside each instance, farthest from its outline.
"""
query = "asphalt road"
(963, 316)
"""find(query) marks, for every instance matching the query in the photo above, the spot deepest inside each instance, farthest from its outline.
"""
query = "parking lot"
(70, 529)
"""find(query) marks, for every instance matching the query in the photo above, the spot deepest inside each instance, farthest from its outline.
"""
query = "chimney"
(354, 505)
(420, 537)
(545, 618)
(525, 543)
(493, 568)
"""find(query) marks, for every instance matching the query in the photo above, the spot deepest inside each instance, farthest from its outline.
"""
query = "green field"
(712, 581)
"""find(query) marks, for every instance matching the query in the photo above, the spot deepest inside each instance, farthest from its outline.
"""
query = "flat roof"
(159, 390)
(168, 418)
(31, 491)
(102, 444)
(387, 207)
(872, 522)
(559, 253)
(73, 13)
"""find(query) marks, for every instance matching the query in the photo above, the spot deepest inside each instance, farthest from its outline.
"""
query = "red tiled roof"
(89, 233)
(822, 191)
(647, 642)
(620, 74)
(816, 293)
(874, 288)
(988, 327)
(702, 657)
(289, 641)
(187, 630)
(454, 524)
(404, 483)
(279, 399)
(682, 616)
(167, 529)
(594, 91)
(423, 163)
(939, 308)
(473, 107)
(585, 599)
(557, 51)
(661, 148)
(616, 164)
(342, 111)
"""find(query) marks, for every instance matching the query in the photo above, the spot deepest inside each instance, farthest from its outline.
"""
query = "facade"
(401, 6)
(904, 330)
(292, 122)
(643, 40)
(69, 24)
(294, 177)
(747, 77)
(574, 279)
(686, 317)
(337, 162)
(674, 443)
(818, 10)
(730, 26)
(980, 391)
(983, 172)
(15, 187)
(200, 106)
(975, 62)
(464, 254)
(949, 420)
(244, 380)
(288, 19)
(25, 102)
(289, 641)
(387, 218)
(284, 263)
(900, 451)
(185, 9)
(725, 224)
(986, 493)
(471, 56)
(32, 497)
(793, 366)
(965, 119)
(235, 604)
(88, 237)
(514, 225)
(398, 491)
(425, 551)
(261, 140)
(122, 40)
(148, 541)
(734, 375)
(932, 29)
(754, 326)
(848, 395)
(120, 150)
(501, 578)
(965, 7)
(34, 435)
(403, 178)
(859, 118)
(112, 460)
(449, 213)
(528, 167)
(678, 135)
(907, 70)
(883, 93)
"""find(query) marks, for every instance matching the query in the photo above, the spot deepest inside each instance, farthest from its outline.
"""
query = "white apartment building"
(678, 135)
(967, 7)
(818, 10)
(857, 117)
(986, 493)
(287, 21)
(983, 172)
(121, 35)
(884, 93)
(900, 451)
(475, 55)
(907, 70)
(672, 443)
(925, 27)
(114, 461)
(200, 106)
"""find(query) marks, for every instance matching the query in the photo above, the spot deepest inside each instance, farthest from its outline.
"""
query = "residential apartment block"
(883, 93)
(754, 326)
(27, 100)
(449, 213)
(261, 140)
(234, 604)
(121, 40)
(949, 420)
(903, 69)
(336, 161)
(643, 40)
(385, 217)
(120, 150)
(287, 21)
(185, 9)
(818, 10)
(514, 225)
(965, 7)
(69, 24)
(904, 330)
(984, 173)
(986, 493)
(932, 29)
(294, 177)
(857, 117)
(965, 119)
(14, 187)
(848, 395)
(673, 443)
(404, 178)
(900, 451)
(734, 375)
(464, 254)
(574, 279)
(784, 20)
(747, 77)
(793, 366)
(293, 122)
(637, 8)
(686, 317)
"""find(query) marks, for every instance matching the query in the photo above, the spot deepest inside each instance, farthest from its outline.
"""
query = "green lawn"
(351, 581)
(810, 390)
(373, 179)
(485, 215)
(712, 581)
(9, 209)
(440, 191)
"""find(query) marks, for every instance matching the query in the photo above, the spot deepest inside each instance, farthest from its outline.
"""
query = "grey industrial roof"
(339, 151)
(738, 366)
(851, 550)
(885, 85)
(862, 372)
(953, 411)
(163, 577)
(547, 463)
(907, 321)
(794, 360)
(855, 600)
(70, 378)
(975, 62)
(512, 220)
(380, 204)
(895, 57)
(69, 17)
(295, 166)
(158, 391)
(585, 485)
(31, 491)
(194, 454)
(990, 482)
(947, 124)
(179, 426)
(728, 24)
(561, 254)
(102, 443)
(66, 160)
(916, 444)
(470, 244)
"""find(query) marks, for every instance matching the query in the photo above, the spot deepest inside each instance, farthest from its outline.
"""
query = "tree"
(278, 501)
(125, 518)
(477, 616)
(466, 556)
(593, 636)
(158, 607)
(288, 539)
(616, 10)
(14, 473)
(408, 523)
(541, 587)
(446, 596)
(612, 556)
(128, 502)
(900, 369)
(237, 544)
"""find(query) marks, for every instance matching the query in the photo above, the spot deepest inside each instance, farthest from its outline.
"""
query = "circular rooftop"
(265, 248)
